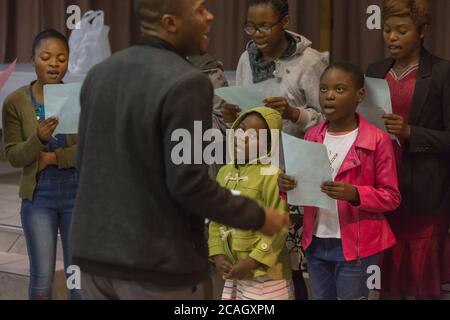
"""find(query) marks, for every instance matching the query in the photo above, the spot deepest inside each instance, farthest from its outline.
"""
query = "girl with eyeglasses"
(287, 59)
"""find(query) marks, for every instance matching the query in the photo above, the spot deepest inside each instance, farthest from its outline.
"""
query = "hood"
(205, 62)
(272, 117)
(274, 122)
(302, 42)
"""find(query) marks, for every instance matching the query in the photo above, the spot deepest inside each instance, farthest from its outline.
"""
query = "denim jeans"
(50, 211)
(333, 278)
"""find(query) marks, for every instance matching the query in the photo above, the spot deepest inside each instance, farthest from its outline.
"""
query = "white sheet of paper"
(309, 164)
(246, 97)
(377, 103)
(63, 101)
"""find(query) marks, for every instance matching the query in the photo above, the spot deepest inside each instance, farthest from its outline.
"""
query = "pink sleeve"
(384, 196)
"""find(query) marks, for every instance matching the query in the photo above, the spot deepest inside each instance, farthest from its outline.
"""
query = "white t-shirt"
(327, 222)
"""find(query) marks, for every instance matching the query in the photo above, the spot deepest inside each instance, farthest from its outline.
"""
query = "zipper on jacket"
(358, 240)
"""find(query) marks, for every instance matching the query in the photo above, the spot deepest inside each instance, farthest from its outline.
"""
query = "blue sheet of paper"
(63, 101)
(246, 97)
(270, 87)
(309, 164)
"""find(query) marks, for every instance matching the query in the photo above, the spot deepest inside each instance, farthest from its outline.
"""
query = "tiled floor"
(11, 235)
(9, 195)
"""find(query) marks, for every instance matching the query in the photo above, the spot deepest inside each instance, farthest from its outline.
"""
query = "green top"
(270, 252)
(22, 144)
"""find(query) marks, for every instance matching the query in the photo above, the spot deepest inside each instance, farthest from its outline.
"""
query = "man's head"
(183, 23)
(341, 90)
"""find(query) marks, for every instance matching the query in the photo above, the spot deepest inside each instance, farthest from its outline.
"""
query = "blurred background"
(337, 26)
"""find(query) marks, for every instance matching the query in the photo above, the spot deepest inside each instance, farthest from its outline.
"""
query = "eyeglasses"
(264, 29)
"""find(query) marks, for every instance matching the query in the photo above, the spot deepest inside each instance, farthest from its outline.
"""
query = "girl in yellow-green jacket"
(255, 266)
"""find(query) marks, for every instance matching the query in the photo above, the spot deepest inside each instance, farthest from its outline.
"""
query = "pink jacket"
(370, 166)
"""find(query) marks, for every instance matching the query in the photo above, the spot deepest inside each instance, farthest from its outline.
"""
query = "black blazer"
(424, 175)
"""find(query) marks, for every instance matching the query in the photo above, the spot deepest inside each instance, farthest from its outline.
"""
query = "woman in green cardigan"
(49, 178)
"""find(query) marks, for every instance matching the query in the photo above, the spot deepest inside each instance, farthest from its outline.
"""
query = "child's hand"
(241, 269)
(341, 191)
(286, 183)
(275, 222)
(223, 265)
(229, 112)
(282, 106)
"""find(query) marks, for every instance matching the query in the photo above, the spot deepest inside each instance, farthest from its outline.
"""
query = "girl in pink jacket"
(343, 247)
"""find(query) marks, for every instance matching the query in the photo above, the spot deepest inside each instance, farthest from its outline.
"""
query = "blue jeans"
(333, 278)
(50, 211)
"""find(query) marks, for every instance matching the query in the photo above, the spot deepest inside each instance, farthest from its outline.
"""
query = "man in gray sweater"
(138, 230)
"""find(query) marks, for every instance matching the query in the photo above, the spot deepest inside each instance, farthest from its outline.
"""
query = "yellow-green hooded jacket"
(247, 180)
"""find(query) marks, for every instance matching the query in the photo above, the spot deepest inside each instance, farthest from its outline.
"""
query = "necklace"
(398, 68)
(400, 71)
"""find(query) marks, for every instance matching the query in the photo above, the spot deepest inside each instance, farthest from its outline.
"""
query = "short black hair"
(153, 10)
(48, 34)
(280, 6)
(353, 70)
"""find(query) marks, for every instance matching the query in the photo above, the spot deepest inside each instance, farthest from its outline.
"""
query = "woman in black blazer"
(420, 90)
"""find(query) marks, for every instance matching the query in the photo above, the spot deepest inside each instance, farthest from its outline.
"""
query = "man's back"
(134, 216)
(122, 157)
